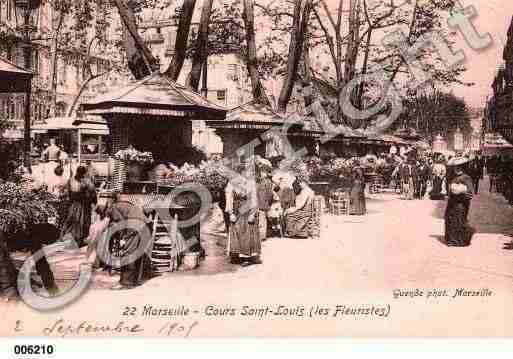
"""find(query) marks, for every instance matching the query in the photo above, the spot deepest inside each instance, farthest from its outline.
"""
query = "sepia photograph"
(256, 169)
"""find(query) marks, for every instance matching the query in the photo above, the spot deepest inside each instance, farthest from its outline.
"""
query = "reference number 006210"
(33, 350)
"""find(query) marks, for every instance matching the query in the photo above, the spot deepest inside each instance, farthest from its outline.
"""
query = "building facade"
(228, 83)
(70, 70)
(499, 109)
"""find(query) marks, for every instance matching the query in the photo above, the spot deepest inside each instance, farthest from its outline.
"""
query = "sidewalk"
(357, 261)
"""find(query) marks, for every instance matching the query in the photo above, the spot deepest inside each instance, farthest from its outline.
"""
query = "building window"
(221, 95)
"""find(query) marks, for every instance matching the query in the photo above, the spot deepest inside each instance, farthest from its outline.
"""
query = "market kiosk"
(155, 115)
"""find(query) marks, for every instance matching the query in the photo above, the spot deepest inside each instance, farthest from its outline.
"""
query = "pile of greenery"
(19, 207)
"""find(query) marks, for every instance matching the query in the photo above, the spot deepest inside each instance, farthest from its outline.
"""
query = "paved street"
(357, 261)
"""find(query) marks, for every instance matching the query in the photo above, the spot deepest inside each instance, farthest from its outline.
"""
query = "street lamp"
(27, 15)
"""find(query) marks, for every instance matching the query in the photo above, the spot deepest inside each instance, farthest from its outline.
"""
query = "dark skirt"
(287, 198)
(77, 221)
(245, 236)
(297, 224)
(458, 232)
(436, 192)
(358, 205)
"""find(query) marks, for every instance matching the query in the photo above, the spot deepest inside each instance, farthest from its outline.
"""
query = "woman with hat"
(244, 244)
(458, 232)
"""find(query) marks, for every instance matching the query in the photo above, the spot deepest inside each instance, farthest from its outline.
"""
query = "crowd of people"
(265, 201)
(429, 175)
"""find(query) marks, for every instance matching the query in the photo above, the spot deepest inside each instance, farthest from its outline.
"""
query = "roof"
(68, 123)
(394, 139)
(254, 112)
(153, 95)
(13, 78)
(8, 66)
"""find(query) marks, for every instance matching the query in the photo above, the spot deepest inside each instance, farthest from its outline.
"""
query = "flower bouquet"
(180, 175)
(137, 162)
(299, 169)
(130, 154)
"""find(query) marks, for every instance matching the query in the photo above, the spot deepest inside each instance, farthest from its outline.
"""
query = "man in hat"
(476, 172)
(423, 173)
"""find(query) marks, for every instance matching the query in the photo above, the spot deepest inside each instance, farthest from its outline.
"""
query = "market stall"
(150, 122)
(87, 141)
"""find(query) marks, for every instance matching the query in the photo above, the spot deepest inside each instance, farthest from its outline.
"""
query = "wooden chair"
(376, 185)
(340, 204)
(317, 209)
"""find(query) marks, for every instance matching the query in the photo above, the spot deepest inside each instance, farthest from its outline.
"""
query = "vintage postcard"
(256, 168)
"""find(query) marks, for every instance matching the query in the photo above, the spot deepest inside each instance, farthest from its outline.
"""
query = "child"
(275, 216)
(95, 232)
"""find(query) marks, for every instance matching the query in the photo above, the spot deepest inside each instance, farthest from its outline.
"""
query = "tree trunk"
(257, 88)
(352, 50)
(182, 38)
(300, 24)
(204, 79)
(140, 60)
(53, 64)
(201, 47)
(307, 83)
(365, 65)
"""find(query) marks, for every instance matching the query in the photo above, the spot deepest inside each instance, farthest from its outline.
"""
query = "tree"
(350, 34)
(431, 111)
(300, 21)
(140, 59)
(182, 38)
(201, 47)
(258, 89)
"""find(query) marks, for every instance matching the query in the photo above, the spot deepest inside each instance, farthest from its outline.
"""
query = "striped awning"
(155, 95)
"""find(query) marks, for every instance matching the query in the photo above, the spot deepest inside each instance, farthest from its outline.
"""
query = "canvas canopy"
(13, 78)
(70, 123)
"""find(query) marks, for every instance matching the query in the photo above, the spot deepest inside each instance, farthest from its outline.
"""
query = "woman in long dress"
(357, 196)
(458, 232)
(82, 196)
(299, 217)
(244, 242)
